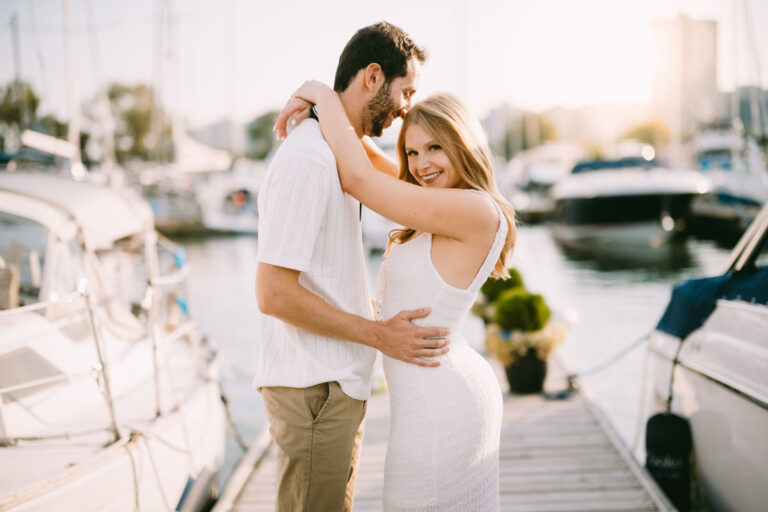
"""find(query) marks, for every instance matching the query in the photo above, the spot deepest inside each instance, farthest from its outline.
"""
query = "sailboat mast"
(76, 166)
(107, 122)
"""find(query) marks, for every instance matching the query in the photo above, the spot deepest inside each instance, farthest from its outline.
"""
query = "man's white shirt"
(307, 223)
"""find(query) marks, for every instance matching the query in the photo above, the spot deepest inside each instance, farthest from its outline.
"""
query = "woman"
(445, 422)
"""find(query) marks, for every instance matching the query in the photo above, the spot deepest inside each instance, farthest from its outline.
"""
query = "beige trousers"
(318, 431)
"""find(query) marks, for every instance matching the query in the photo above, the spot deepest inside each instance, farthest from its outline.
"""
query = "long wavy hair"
(457, 131)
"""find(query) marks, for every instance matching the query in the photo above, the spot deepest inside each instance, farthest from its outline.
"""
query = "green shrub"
(518, 309)
(493, 287)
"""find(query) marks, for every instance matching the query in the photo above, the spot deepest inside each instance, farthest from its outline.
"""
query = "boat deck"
(556, 455)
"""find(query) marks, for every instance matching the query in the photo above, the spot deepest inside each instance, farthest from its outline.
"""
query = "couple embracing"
(318, 333)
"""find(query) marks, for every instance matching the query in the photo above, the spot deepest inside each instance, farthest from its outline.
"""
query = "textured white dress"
(443, 451)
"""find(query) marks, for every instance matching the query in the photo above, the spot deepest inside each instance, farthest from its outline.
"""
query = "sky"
(239, 58)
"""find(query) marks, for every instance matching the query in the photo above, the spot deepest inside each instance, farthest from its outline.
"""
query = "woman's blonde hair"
(457, 131)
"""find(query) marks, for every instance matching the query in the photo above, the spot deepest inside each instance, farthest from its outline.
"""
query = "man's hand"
(399, 338)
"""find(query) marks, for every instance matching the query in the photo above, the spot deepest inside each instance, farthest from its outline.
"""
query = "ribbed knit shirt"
(308, 223)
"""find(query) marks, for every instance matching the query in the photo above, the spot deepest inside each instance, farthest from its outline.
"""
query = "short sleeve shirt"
(307, 223)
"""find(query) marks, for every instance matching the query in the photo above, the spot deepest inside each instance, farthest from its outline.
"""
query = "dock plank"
(556, 456)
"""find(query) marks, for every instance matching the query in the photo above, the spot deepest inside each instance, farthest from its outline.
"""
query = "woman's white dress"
(443, 451)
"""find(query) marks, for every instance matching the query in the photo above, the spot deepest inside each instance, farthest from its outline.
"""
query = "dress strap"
(494, 252)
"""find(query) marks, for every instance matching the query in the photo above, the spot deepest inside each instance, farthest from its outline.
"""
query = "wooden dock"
(556, 455)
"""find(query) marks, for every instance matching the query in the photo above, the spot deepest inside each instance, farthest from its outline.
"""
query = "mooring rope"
(571, 378)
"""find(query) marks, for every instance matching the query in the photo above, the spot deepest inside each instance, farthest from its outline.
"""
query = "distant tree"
(653, 132)
(18, 107)
(141, 125)
(546, 130)
(518, 136)
(261, 139)
(594, 152)
(51, 125)
(19, 104)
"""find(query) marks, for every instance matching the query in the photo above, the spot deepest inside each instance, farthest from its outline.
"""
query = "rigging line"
(157, 474)
(134, 472)
(38, 50)
(755, 54)
(608, 362)
(123, 22)
(641, 407)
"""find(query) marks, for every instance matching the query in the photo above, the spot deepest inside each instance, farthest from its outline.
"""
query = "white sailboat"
(109, 397)
(709, 356)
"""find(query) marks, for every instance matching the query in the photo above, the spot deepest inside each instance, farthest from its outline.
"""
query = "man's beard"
(377, 112)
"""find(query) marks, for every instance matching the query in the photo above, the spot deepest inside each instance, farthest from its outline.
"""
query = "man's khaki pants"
(318, 431)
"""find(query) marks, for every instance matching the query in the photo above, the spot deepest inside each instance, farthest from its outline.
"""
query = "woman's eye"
(411, 153)
(435, 147)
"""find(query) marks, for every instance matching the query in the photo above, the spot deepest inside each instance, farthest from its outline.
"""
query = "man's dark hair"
(384, 44)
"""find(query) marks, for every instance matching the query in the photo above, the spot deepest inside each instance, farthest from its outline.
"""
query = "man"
(317, 342)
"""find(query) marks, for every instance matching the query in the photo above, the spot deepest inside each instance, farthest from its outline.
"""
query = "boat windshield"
(24, 253)
(125, 271)
(621, 163)
(125, 274)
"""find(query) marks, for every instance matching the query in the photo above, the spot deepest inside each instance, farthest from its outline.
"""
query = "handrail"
(180, 331)
(740, 250)
(39, 382)
(41, 305)
(170, 279)
(102, 365)
(89, 307)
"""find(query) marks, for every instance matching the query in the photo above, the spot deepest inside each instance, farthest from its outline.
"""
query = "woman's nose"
(422, 162)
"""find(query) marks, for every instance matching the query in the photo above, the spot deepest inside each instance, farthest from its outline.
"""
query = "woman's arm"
(297, 109)
(449, 212)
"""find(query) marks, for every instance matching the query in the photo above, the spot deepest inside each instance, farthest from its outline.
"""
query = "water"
(614, 302)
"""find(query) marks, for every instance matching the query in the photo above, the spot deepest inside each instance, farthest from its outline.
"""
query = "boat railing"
(159, 287)
(100, 369)
(161, 334)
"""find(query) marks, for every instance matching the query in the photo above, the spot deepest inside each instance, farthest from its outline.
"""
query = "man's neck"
(353, 106)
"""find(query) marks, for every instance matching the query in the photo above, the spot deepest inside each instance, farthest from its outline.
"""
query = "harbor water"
(611, 302)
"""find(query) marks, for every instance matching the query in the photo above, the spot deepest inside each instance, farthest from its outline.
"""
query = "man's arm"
(279, 294)
(379, 159)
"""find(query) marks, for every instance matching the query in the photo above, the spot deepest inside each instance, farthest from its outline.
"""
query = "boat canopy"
(693, 301)
(62, 205)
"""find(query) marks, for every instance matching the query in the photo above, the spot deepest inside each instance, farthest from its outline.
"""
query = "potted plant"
(485, 306)
(521, 335)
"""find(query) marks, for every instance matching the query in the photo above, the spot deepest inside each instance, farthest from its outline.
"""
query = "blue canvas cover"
(693, 301)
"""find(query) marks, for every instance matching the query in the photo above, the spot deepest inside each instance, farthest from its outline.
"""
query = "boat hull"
(721, 217)
(148, 469)
(623, 226)
(720, 387)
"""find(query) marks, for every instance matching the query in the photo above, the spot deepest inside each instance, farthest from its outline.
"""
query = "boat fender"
(668, 445)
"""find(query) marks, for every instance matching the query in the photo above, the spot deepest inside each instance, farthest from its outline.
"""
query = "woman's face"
(428, 162)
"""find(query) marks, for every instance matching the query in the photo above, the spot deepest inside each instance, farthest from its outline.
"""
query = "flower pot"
(527, 373)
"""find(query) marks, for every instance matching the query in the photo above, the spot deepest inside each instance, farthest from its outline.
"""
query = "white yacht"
(227, 199)
(709, 358)
(626, 205)
(740, 184)
(109, 395)
(529, 178)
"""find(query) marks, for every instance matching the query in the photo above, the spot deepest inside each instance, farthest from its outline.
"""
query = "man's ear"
(373, 77)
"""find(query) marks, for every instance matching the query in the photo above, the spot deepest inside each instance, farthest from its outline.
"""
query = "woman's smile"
(429, 178)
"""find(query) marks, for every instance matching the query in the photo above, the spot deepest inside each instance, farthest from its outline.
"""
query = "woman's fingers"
(295, 110)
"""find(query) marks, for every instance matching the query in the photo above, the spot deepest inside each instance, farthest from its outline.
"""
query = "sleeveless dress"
(445, 423)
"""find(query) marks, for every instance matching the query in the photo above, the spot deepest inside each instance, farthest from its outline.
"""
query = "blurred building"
(684, 91)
